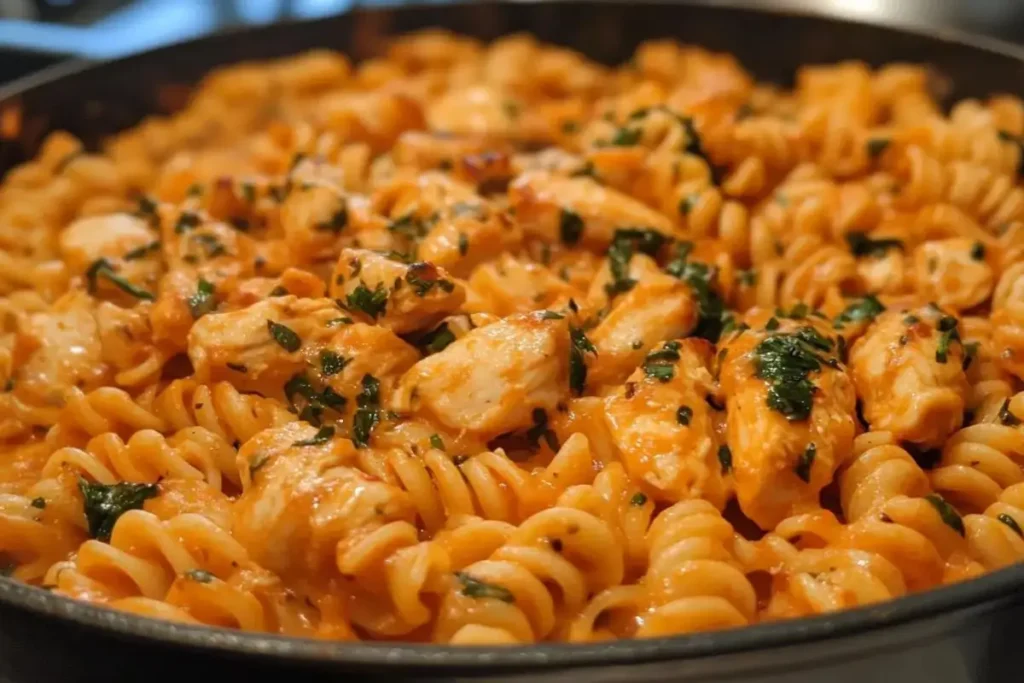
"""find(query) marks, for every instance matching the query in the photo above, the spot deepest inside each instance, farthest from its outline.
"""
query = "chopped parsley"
(684, 415)
(438, 340)
(970, 353)
(805, 463)
(143, 251)
(638, 500)
(578, 349)
(725, 458)
(367, 414)
(784, 361)
(551, 315)
(1006, 417)
(660, 364)
(474, 588)
(372, 303)
(978, 251)
(336, 223)
(865, 309)
(875, 146)
(411, 226)
(284, 336)
(436, 442)
(701, 278)
(186, 221)
(625, 137)
(323, 435)
(423, 278)
(38, 503)
(540, 430)
(203, 301)
(747, 278)
(103, 268)
(947, 512)
(316, 402)
(331, 363)
(687, 203)
(1012, 523)
(862, 245)
(949, 334)
(570, 226)
(105, 504)
(463, 244)
(625, 243)
(199, 576)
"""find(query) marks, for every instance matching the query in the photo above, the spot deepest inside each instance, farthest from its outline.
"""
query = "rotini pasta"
(491, 344)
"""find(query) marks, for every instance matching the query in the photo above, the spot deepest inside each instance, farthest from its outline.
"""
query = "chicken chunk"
(665, 428)
(95, 237)
(954, 272)
(401, 297)
(790, 409)
(555, 208)
(509, 285)
(261, 346)
(658, 307)
(58, 349)
(493, 379)
(300, 501)
(908, 369)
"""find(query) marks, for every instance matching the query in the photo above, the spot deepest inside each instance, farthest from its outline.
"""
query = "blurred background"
(35, 33)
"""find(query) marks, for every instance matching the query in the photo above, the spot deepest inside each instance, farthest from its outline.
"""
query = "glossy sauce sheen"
(492, 345)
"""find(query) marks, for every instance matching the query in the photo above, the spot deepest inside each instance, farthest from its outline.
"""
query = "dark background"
(34, 33)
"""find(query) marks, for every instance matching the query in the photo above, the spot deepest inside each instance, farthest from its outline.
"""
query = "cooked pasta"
(491, 344)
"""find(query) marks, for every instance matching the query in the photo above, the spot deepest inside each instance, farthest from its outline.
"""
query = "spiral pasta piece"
(191, 453)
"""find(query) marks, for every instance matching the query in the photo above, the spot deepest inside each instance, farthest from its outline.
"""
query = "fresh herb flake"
(104, 504)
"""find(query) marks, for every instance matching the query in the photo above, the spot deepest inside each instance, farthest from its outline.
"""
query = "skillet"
(956, 634)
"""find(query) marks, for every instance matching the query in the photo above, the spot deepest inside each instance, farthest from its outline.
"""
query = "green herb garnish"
(725, 458)
(867, 309)
(203, 301)
(803, 466)
(105, 504)
(1012, 523)
(947, 512)
(438, 340)
(367, 414)
(684, 415)
(862, 245)
(331, 363)
(578, 349)
(143, 251)
(1006, 417)
(784, 361)
(570, 226)
(436, 442)
(638, 500)
(474, 588)
(103, 268)
(875, 146)
(660, 364)
(372, 303)
(199, 576)
(949, 334)
(284, 336)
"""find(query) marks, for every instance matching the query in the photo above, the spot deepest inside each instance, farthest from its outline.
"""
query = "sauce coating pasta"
(491, 344)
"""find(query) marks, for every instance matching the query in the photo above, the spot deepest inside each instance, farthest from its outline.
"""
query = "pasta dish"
(492, 344)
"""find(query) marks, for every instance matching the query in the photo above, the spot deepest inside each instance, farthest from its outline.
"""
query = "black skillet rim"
(986, 590)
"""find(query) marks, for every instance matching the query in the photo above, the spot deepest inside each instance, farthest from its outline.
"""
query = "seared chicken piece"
(262, 345)
(555, 208)
(908, 369)
(492, 380)
(399, 296)
(666, 428)
(300, 500)
(58, 349)
(790, 411)
(658, 307)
